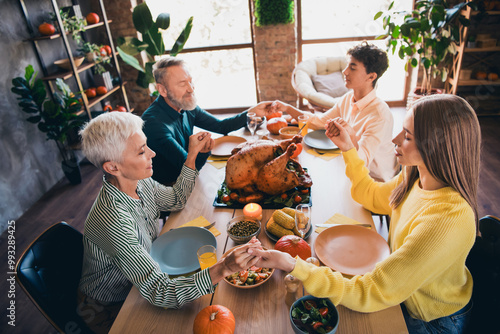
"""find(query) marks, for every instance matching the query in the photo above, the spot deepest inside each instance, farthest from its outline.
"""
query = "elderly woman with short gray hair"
(123, 223)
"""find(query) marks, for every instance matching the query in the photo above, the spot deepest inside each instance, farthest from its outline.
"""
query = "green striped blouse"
(117, 239)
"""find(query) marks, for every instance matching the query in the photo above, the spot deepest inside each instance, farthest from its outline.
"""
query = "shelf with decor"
(72, 68)
(475, 69)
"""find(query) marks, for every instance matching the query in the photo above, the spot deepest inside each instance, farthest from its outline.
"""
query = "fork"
(208, 227)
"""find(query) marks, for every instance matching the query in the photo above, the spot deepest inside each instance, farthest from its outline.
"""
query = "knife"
(330, 225)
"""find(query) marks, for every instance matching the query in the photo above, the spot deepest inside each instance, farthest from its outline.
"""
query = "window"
(331, 27)
(218, 53)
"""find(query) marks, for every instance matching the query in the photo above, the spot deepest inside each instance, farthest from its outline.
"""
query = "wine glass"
(303, 218)
(252, 122)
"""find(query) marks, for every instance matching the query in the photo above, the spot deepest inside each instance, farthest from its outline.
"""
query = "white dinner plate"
(175, 250)
(224, 145)
(318, 139)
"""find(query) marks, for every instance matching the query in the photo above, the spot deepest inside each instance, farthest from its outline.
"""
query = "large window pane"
(340, 18)
(391, 84)
(223, 79)
(216, 22)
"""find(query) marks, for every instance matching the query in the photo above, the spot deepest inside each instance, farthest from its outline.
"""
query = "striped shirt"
(117, 239)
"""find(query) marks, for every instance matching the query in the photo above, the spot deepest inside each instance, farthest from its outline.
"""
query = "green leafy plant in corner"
(55, 117)
(428, 36)
(269, 12)
(152, 42)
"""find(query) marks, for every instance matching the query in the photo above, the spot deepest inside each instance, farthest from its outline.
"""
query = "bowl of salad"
(250, 278)
(310, 314)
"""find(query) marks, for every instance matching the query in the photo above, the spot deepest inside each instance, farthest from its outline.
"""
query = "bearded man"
(169, 121)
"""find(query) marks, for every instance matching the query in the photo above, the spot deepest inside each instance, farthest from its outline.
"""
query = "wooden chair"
(49, 271)
(484, 264)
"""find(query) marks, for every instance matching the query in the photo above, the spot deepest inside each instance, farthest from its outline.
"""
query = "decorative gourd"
(294, 245)
(275, 124)
(214, 319)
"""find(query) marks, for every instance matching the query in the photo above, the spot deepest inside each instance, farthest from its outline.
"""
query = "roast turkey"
(265, 167)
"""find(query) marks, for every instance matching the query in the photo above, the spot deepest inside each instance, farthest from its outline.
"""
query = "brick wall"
(275, 59)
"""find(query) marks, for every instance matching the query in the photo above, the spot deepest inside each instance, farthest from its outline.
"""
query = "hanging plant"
(269, 12)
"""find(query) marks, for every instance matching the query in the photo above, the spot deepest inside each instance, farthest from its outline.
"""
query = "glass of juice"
(207, 256)
(303, 119)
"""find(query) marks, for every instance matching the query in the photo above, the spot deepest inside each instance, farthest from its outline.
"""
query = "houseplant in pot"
(54, 117)
(152, 42)
(427, 37)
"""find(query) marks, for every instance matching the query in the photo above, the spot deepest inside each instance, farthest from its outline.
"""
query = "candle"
(253, 210)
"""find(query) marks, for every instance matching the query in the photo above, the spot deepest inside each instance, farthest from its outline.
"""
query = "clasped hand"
(339, 133)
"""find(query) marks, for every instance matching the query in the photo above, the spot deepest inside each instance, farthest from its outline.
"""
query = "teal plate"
(175, 250)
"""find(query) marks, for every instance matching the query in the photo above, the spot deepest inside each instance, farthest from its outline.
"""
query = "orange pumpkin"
(120, 108)
(294, 245)
(275, 124)
(46, 29)
(274, 115)
(101, 90)
(297, 151)
(92, 18)
(214, 319)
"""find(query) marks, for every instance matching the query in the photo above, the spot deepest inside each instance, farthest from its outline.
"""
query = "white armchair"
(311, 72)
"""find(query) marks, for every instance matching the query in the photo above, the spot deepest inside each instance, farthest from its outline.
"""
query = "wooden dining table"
(262, 309)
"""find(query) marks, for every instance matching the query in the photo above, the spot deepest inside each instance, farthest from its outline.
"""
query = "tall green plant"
(152, 42)
(428, 36)
(55, 117)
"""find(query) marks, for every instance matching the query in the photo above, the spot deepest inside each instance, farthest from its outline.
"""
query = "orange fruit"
(91, 92)
(480, 75)
(492, 76)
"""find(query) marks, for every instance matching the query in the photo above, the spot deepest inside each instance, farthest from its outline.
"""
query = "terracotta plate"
(224, 145)
(318, 139)
(351, 250)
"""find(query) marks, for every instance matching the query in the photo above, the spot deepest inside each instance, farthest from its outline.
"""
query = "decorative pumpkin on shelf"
(46, 29)
(294, 245)
(214, 319)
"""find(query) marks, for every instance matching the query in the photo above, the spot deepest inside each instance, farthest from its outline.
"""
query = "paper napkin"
(324, 154)
(201, 222)
(337, 219)
(217, 162)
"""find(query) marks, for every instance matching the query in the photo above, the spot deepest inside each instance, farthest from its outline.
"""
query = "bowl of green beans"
(241, 229)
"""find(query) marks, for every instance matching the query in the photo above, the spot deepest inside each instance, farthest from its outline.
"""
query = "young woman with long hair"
(433, 209)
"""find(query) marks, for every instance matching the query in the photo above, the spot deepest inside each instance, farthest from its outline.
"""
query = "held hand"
(208, 146)
(273, 259)
(262, 109)
(240, 259)
(277, 106)
(338, 134)
(198, 142)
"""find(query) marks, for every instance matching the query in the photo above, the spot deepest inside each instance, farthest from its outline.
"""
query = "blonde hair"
(105, 137)
(448, 137)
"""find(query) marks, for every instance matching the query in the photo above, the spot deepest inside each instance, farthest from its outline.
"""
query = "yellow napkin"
(217, 162)
(324, 154)
(337, 219)
(201, 221)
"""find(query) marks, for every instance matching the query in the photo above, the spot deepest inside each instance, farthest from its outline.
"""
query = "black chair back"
(49, 272)
(484, 264)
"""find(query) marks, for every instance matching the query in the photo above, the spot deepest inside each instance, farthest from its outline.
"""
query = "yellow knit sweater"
(431, 234)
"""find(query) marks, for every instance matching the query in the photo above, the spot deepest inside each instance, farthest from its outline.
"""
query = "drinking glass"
(303, 119)
(303, 218)
(252, 121)
(207, 256)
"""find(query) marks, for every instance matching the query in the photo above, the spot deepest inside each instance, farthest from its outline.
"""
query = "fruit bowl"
(65, 64)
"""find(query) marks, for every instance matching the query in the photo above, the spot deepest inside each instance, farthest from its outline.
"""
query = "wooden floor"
(72, 203)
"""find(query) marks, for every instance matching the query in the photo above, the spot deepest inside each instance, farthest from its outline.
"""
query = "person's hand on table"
(261, 109)
(273, 259)
(338, 134)
(239, 259)
(209, 145)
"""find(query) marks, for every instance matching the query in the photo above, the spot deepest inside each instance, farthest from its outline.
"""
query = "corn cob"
(289, 211)
(277, 229)
(283, 219)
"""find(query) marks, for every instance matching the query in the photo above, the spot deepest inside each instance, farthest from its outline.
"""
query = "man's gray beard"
(184, 105)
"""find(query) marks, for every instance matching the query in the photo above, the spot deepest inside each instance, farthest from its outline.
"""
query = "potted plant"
(152, 42)
(54, 117)
(428, 36)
